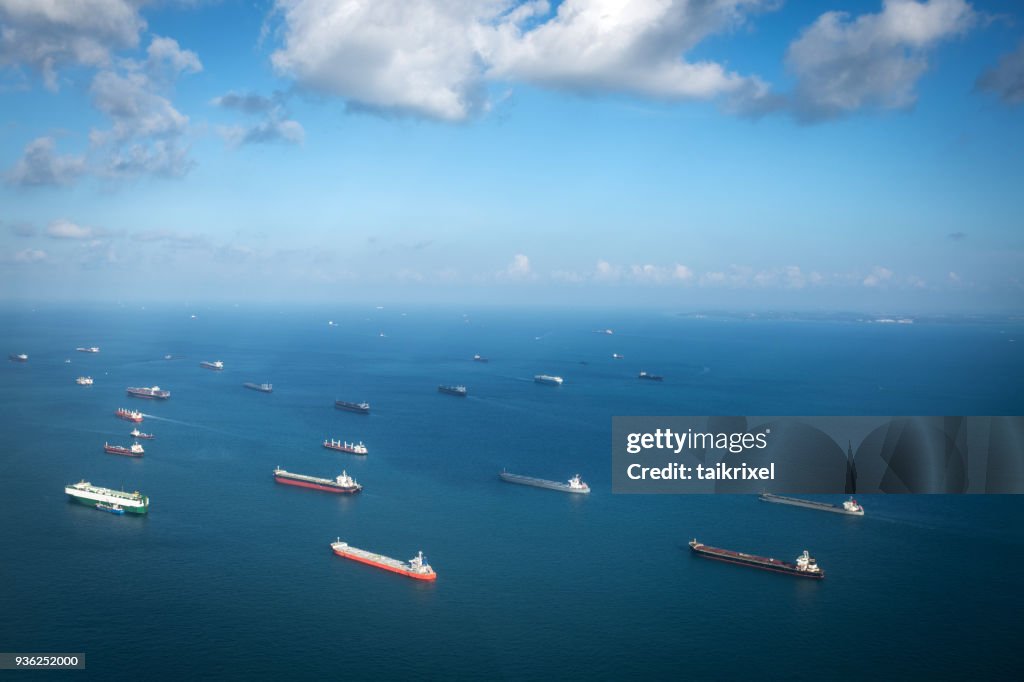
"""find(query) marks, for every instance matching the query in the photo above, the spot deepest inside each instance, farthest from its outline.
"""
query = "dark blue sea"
(231, 576)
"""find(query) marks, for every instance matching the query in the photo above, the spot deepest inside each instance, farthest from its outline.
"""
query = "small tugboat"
(650, 377)
(134, 451)
(112, 508)
(479, 358)
(84, 381)
(352, 448)
(139, 434)
(18, 357)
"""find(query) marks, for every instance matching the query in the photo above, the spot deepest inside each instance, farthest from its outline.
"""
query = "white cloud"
(41, 165)
(47, 34)
(874, 60)
(434, 58)
(419, 57)
(519, 268)
(1006, 79)
(879, 276)
(633, 47)
(682, 273)
(65, 229)
(146, 126)
(30, 256)
(274, 126)
(605, 271)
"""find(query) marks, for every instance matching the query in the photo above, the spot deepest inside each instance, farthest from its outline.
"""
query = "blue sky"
(738, 153)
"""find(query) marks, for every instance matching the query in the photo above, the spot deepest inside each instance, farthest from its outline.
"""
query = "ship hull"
(750, 561)
(129, 418)
(809, 504)
(123, 453)
(447, 391)
(346, 450)
(352, 408)
(386, 567)
(257, 387)
(147, 396)
(542, 483)
(91, 502)
(316, 486)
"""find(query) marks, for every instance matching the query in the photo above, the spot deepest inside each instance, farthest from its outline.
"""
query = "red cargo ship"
(416, 568)
(134, 451)
(340, 484)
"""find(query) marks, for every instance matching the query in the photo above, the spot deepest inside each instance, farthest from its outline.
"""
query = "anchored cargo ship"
(453, 390)
(129, 415)
(805, 566)
(18, 357)
(574, 484)
(339, 484)
(850, 506)
(134, 451)
(345, 446)
(90, 495)
(139, 434)
(90, 349)
(152, 392)
(263, 388)
(216, 364)
(650, 377)
(84, 381)
(361, 408)
(548, 379)
(417, 567)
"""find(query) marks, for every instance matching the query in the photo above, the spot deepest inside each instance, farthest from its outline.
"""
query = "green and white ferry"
(90, 495)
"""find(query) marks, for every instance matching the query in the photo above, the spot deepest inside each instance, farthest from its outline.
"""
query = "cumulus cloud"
(275, 126)
(682, 273)
(434, 58)
(30, 256)
(65, 229)
(844, 63)
(41, 165)
(878, 277)
(45, 35)
(633, 47)
(607, 272)
(146, 130)
(1006, 79)
(418, 57)
(519, 268)
(249, 103)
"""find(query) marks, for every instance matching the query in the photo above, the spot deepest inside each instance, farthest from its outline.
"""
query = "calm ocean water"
(231, 575)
